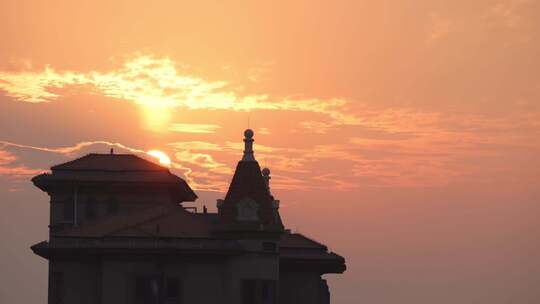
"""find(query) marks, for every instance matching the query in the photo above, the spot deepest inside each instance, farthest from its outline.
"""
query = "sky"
(402, 134)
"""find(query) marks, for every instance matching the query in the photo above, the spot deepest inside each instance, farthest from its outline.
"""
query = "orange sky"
(404, 134)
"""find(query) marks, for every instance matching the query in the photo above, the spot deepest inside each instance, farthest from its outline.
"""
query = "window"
(147, 290)
(56, 293)
(173, 291)
(249, 291)
(157, 290)
(90, 209)
(269, 292)
(269, 246)
(112, 207)
(259, 292)
(68, 210)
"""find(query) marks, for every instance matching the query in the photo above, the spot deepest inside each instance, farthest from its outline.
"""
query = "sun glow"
(161, 156)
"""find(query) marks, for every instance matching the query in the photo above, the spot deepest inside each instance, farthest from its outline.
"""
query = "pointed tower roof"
(248, 203)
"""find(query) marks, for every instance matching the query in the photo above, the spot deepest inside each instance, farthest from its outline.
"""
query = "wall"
(81, 281)
(301, 288)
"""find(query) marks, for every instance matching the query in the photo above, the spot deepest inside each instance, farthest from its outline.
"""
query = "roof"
(297, 240)
(300, 253)
(118, 169)
(170, 221)
(170, 227)
(248, 182)
(110, 162)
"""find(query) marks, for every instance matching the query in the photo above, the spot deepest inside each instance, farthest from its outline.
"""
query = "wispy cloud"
(9, 167)
(13, 165)
(193, 128)
(157, 83)
(70, 150)
(319, 127)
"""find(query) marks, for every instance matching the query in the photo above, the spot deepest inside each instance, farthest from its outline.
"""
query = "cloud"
(195, 145)
(157, 84)
(20, 160)
(202, 160)
(70, 150)
(372, 146)
(439, 27)
(318, 127)
(10, 169)
(507, 13)
(193, 128)
(264, 131)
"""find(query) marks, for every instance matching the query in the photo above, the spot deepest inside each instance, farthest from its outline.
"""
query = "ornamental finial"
(266, 176)
(248, 146)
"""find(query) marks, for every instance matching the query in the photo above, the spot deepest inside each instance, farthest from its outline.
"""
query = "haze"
(403, 134)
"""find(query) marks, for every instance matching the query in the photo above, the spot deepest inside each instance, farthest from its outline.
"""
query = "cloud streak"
(193, 128)
(156, 83)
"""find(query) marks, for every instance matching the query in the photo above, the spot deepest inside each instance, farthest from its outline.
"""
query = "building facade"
(118, 234)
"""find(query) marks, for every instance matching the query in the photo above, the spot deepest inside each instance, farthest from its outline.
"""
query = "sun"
(161, 156)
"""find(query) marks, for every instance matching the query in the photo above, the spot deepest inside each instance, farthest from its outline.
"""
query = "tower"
(249, 208)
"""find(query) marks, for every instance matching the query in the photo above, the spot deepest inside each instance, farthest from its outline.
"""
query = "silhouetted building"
(119, 234)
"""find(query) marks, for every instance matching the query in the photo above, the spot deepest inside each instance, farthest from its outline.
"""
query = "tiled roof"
(110, 162)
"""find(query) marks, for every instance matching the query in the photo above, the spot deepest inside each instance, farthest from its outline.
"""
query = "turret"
(248, 205)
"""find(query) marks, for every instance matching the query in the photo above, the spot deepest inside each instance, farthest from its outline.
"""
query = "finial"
(266, 176)
(248, 133)
(248, 145)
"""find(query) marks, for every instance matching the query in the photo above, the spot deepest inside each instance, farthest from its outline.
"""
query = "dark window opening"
(90, 209)
(269, 292)
(57, 288)
(269, 246)
(68, 210)
(249, 291)
(147, 290)
(259, 292)
(173, 291)
(112, 207)
(157, 290)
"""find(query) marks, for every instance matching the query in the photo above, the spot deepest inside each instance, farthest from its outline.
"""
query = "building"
(119, 234)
